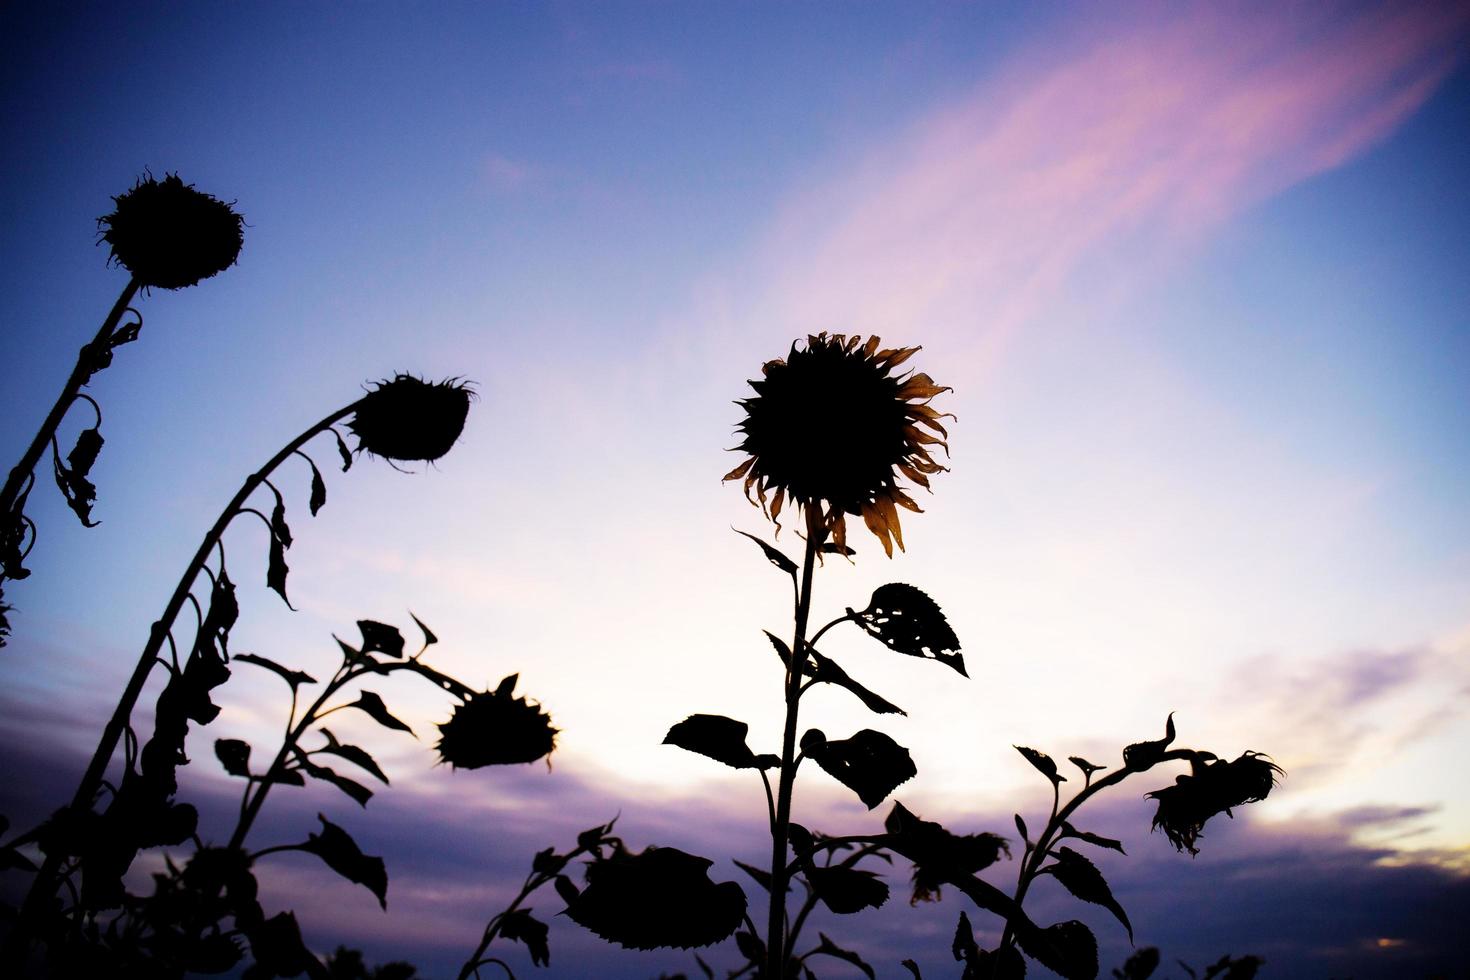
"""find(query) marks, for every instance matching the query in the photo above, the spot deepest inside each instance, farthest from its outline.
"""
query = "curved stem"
(85, 368)
(44, 885)
(776, 920)
(823, 631)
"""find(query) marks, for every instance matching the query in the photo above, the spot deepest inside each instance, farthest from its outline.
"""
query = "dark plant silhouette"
(409, 420)
(203, 914)
(168, 236)
(1142, 964)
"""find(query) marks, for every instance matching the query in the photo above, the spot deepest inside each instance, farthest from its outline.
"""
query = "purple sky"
(1196, 275)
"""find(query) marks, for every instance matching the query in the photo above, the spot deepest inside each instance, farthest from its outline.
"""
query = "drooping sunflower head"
(409, 419)
(831, 428)
(169, 236)
(496, 729)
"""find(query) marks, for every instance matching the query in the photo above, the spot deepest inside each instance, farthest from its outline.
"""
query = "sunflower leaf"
(1094, 839)
(353, 754)
(869, 763)
(828, 672)
(279, 527)
(1081, 877)
(715, 736)
(381, 638)
(1142, 756)
(520, 926)
(373, 705)
(341, 853)
(846, 890)
(1044, 763)
(234, 755)
(429, 638)
(829, 948)
(318, 487)
(293, 677)
(762, 878)
(351, 787)
(343, 451)
(1066, 948)
(907, 621)
(774, 556)
(276, 571)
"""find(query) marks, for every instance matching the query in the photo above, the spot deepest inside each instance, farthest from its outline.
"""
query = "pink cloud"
(1164, 128)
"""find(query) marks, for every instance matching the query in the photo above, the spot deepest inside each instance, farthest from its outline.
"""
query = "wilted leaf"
(1142, 756)
(234, 755)
(964, 947)
(829, 948)
(774, 556)
(381, 638)
(827, 672)
(1044, 763)
(278, 950)
(318, 486)
(343, 451)
(72, 479)
(869, 763)
(1067, 948)
(279, 527)
(1069, 831)
(661, 897)
(277, 569)
(293, 677)
(352, 754)
(782, 650)
(846, 890)
(336, 847)
(519, 926)
(372, 704)
(906, 620)
(715, 736)
(1081, 877)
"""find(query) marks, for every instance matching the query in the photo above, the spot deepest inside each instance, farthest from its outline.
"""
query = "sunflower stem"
(776, 924)
(44, 886)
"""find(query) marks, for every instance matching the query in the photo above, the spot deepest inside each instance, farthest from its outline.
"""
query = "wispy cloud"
(981, 211)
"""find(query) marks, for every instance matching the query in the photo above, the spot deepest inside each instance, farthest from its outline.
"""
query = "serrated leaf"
(869, 763)
(715, 736)
(1081, 877)
(774, 556)
(277, 570)
(782, 650)
(381, 638)
(1066, 948)
(827, 672)
(337, 848)
(293, 677)
(373, 705)
(846, 890)
(829, 948)
(1044, 763)
(234, 755)
(907, 621)
(343, 451)
(519, 926)
(352, 754)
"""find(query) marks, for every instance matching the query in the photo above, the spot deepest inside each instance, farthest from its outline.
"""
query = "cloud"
(1161, 127)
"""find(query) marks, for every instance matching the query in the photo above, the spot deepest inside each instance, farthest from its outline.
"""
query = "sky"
(1194, 272)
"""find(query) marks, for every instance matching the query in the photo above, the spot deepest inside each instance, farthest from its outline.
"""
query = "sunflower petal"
(738, 471)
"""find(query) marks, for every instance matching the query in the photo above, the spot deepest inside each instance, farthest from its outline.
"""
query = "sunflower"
(832, 428)
(409, 419)
(169, 235)
(496, 729)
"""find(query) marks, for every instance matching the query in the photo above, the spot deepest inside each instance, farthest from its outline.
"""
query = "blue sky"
(1194, 272)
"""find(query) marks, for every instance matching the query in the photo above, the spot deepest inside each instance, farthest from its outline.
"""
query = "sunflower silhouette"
(831, 427)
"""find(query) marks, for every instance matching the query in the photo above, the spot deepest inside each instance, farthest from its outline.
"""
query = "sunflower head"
(169, 236)
(496, 729)
(831, 429)
(408, 419)
(1214, 786)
